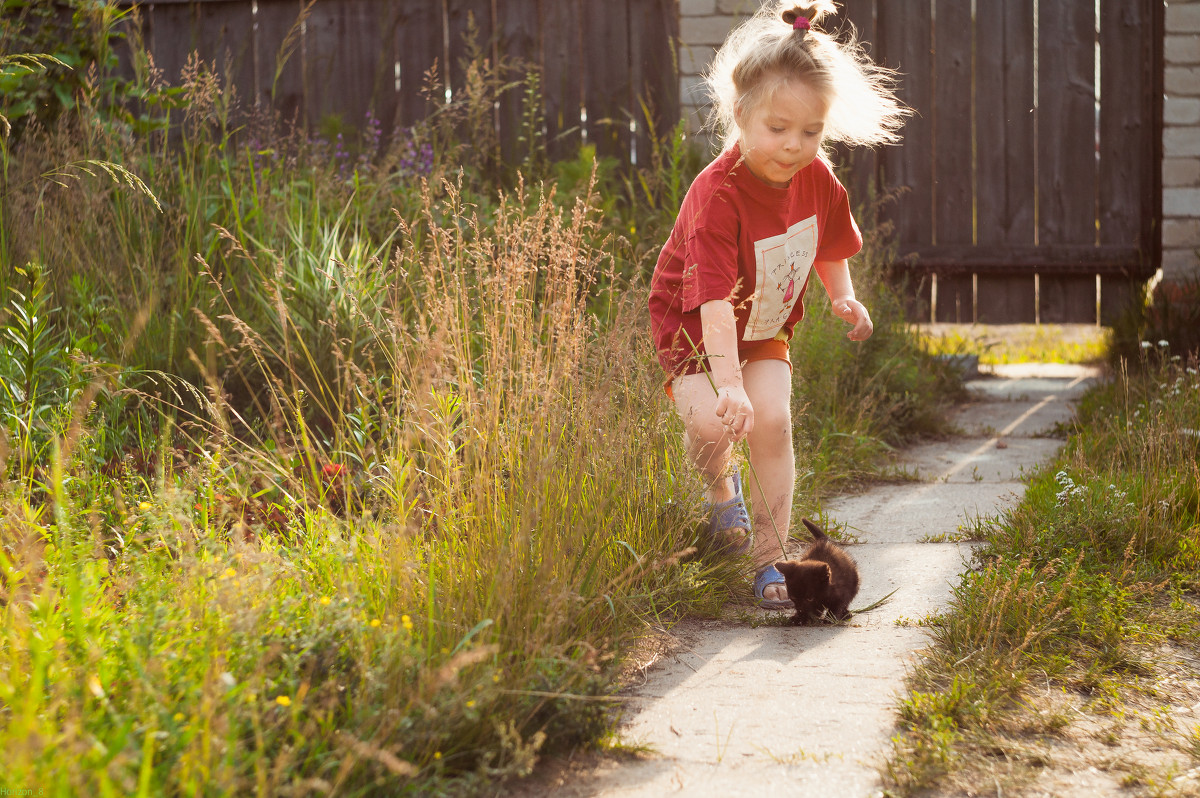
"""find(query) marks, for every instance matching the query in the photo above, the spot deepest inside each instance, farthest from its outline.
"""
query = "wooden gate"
(600, 64)
(1030, 174)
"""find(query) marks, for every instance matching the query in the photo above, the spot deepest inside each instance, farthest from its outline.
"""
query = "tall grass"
(481, 536)
(1096, 567)
(343, 464)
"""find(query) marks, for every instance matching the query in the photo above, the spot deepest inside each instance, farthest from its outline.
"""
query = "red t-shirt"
(737, 238)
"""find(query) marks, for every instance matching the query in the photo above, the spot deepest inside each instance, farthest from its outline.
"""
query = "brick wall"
(1181, 140)
(704, 24)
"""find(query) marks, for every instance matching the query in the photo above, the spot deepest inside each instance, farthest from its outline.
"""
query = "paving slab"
(800, 711)
(966, 461)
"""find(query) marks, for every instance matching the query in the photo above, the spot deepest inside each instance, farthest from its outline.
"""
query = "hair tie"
(801, 23)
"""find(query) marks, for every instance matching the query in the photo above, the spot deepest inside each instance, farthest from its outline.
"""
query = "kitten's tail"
(817, 532)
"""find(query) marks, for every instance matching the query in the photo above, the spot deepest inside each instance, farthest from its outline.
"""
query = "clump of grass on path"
(1074, 631)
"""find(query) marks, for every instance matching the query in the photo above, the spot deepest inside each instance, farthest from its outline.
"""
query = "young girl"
(730, 281)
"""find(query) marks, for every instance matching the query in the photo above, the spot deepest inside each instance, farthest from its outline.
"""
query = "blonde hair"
(765, 51)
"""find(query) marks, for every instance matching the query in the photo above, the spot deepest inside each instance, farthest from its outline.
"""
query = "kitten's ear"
(786, 567)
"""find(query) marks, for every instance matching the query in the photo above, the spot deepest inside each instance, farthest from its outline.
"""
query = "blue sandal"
(726, 516)
(770, 576)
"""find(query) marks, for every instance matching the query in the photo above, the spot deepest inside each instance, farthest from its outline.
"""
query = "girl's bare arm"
(720, 343)
(835, 276)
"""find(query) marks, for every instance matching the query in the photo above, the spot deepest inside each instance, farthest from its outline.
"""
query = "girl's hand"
(734, 410)
(852, 311)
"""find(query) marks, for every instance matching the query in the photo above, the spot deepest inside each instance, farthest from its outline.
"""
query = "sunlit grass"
(353, 474)
(1019, 343)
(442, 585)
(1096, 567)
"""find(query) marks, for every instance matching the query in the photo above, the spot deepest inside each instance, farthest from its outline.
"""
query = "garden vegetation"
(335, 461)
(1070, 630)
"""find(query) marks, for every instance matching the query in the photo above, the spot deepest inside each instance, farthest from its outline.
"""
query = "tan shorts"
(771, 349)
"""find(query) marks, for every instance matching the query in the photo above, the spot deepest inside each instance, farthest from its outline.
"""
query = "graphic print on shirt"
(783, 264)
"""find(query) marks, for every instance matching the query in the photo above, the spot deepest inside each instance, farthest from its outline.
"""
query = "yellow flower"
(145, 506)
(250, 697)
(470, 705)
(407, 623)
(445, 650)
(437, 754)
(325, 601)
(283, 701)
(495, 678)
(229, 573)
(179, 717)
(374, 623)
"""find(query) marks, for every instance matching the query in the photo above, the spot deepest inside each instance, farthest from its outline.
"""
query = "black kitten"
(824, 578)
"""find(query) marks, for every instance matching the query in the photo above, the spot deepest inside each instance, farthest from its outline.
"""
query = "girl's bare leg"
(769, 386)
(768, 383)
(705, 438)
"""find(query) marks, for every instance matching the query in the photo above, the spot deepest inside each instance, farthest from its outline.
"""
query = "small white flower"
(1146, 344)
(1163, 343)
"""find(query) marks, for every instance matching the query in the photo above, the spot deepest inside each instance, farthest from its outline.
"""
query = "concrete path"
(798, 711)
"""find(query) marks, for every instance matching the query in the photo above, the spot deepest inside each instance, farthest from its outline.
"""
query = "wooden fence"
(1031, 170)
(1030, 173)
(600, 63)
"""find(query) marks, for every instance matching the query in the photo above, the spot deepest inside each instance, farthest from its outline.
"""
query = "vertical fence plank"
(222, 36)
(858, 166)
(1066, 123)
(171, 40)
(607, 96)
(517, 37)
(917, 290)
(955, 298)
(1005, 177)
(1006, 298)
(953, 168)
(906, 42)
(349, 63)
(420, 50)
(1066, 298)
(1126, 116)
(471, 29)
(653, 32)
(562, 75)
(1117, 293)
(860, 15)
(471, 46)
(279, 59)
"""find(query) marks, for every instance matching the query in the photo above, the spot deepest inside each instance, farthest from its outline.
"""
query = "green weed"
(343, 465)
(1080, 580)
